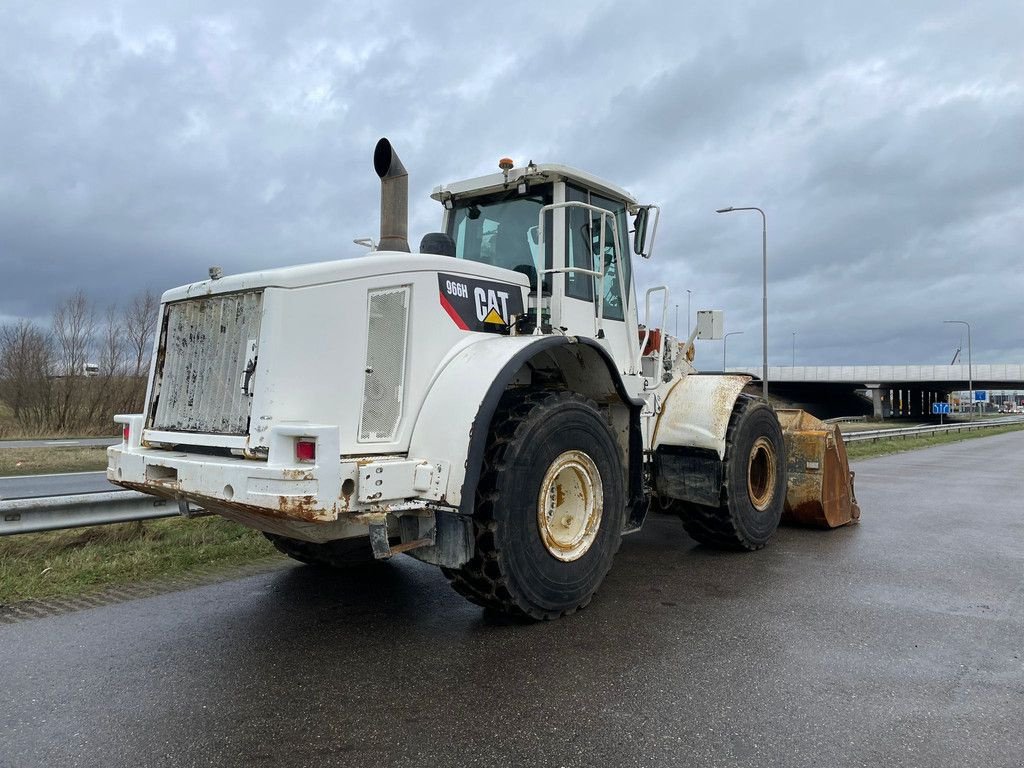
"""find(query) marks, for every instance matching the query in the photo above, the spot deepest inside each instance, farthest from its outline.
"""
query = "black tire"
(513, 570)
(341, 553)
(754, 486)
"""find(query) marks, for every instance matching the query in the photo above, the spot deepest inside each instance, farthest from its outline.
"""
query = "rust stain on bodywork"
(289, 507)
(301, 508)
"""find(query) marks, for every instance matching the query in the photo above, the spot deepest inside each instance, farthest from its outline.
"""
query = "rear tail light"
(305, 450)
(124, 433)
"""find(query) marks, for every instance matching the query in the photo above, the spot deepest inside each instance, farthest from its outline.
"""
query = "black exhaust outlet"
(394, 198)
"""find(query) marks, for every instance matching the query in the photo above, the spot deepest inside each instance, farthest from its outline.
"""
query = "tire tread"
(483, 580)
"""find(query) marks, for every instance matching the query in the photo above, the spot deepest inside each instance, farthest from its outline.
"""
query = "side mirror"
(641, 246)
(640, 231)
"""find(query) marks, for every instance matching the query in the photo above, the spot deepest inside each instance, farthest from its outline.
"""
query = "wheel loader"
(493, 404)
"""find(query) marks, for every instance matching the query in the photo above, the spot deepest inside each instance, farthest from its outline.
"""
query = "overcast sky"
(142, 142)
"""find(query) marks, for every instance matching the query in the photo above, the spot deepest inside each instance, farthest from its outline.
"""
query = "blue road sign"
(981, 396)
(940, 408)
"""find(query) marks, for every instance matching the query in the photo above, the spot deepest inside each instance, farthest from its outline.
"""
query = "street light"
(677, 321)
(794, 349)
(970, 369)
(687, 313)
(725, 341)
(764, 289)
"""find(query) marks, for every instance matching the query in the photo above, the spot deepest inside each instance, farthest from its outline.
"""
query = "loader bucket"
(820, 485)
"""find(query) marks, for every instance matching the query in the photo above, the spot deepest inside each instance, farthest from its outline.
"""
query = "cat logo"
(487, 304)
(479, 305)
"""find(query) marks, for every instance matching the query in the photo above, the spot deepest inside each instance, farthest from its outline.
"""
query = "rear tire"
(550, 508)
(754, 487)
(341, 553)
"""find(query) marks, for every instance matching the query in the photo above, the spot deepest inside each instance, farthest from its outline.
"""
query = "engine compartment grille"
(206, 364)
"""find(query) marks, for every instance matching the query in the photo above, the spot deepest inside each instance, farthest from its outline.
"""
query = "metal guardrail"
(52, 513)
(932, 429)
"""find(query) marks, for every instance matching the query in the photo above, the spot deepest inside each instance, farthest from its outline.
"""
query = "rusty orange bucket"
(820, 483)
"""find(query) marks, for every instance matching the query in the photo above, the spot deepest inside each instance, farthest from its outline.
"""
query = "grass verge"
(74, 562)
(885, 446)
(40, 461)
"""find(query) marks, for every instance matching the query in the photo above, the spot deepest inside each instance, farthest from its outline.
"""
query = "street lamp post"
(764, 289)
(794, 349)
(725, 341)
(687, 313)
(677, 321)
(970, 368)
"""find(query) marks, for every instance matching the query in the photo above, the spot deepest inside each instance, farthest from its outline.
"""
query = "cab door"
(580, 299)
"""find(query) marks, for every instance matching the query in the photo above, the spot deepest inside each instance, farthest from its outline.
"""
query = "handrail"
(602, 212)
(647, 323)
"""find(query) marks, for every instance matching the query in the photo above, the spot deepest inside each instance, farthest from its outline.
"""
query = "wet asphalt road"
(33, 486)
(895, 642)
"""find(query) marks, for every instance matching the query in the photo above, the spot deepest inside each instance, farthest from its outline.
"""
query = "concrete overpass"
(896, 390)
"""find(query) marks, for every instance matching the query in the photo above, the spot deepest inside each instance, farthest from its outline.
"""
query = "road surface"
(74, 442)
(898, 642)
(31, 486)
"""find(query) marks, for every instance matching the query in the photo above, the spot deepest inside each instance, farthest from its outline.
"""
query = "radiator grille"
(388, 316)
(208, 345)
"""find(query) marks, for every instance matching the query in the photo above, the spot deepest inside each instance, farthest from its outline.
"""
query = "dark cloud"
(145, 143)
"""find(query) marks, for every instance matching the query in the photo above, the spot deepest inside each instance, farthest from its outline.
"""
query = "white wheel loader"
(493, 404)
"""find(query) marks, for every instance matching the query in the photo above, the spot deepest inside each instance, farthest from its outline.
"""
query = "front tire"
(550, 508)
(754, 487)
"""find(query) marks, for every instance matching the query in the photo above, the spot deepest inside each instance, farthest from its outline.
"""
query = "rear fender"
(455, 419)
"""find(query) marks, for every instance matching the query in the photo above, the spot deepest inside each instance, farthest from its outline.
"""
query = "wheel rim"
(569, 506)
(762, 474)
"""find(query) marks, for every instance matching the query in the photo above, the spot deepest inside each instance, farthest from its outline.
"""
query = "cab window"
(502, 230)
(583, 244)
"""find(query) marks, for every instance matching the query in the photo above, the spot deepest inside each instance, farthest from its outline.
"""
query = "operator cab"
(579, 252)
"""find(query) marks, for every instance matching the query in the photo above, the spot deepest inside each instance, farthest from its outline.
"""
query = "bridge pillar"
(877, 401)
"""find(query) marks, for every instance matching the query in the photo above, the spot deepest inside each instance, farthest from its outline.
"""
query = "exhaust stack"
(394, 198)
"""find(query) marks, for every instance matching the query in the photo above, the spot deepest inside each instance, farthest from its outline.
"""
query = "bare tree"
(113, 353)
(26, 359)
(74, 330)
(107, 390)
(139, 323)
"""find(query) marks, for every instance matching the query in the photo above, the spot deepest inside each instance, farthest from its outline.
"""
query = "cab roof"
(533, 174)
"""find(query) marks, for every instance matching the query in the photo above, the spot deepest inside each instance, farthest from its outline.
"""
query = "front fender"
(696, 412)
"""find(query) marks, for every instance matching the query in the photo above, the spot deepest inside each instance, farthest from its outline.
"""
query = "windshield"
(501, 229)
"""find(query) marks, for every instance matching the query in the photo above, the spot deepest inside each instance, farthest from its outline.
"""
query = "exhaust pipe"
(394, 198)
